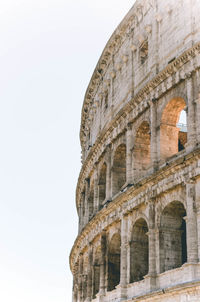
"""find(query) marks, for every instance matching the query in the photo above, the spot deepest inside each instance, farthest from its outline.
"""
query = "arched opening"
(96, 272)
(91, 199)
(141, 153)
(172, 237)
(102, 184)
(139, 251)
(114, 262)
(119, 169)
(173, 128)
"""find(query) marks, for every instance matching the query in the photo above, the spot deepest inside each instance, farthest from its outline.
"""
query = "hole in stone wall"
(144, 52)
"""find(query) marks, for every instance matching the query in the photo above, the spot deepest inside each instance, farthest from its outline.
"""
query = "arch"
(172, 137)
(142, 147)
(119, 169)
(172, 237)
(96, 272)
(139, 251)
(114, 261)
(102, 184)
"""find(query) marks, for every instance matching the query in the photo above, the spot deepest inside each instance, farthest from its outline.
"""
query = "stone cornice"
(167, 178)
(165, 80)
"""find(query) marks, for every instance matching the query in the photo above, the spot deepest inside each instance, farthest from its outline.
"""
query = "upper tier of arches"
(141, 47)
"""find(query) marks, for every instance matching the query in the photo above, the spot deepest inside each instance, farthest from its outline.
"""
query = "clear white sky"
(48, 51)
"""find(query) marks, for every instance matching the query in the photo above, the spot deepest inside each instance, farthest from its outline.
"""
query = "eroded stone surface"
(138, 193)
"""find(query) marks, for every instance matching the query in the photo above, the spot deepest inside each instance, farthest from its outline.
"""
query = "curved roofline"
(102, 64)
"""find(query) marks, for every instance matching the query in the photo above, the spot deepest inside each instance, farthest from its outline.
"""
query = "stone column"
(197, 197)
(80, 277)
(152, 239)
(74, 294)
(96, 197)
(197, 101)
(87, 188)
(102, 265)
(154, 151)
(151, 277)
(191, 114)
(108, 173)
(123, 260)
(191, 223)
(129, 146)
(89, 276)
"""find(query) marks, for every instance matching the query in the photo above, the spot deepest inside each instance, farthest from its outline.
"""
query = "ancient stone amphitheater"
(138, 193)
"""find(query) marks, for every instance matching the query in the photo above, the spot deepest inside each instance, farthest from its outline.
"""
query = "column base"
(150, 281)
(122, 289)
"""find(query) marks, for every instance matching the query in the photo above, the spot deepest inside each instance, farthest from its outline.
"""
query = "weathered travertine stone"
(138, 192)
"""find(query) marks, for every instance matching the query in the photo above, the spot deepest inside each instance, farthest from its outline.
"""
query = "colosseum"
(138, 192)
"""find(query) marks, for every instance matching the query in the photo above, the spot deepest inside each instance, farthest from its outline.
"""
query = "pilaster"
(191, 223)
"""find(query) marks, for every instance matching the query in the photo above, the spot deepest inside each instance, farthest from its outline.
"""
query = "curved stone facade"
(138, 192)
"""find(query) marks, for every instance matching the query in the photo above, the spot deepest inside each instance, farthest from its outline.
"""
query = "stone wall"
(138, 192)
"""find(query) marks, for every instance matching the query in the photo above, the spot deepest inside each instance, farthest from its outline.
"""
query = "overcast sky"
(48, 51)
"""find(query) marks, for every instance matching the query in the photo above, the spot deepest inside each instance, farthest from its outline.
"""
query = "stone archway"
(139, 251)
(119, 169)
(172, 137)
(102, 184)
(172, 237)
(114, 261)
(141, 153)
(96, 272)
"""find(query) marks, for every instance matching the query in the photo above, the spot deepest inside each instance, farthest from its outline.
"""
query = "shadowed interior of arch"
(91, 199)
(173, 128)
(141, 153)
(96, 271)
(119, 169)
(114, 261)
(172, 237)
(102, 184)
(139, 251)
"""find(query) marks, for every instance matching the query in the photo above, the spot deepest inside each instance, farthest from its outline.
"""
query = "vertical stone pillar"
(87, 188)
(191, 223)
(108, 173)
(80, 277)
(96, 197)
(151, 277)
(191, 114)
(154, 151)
(89, 276)
(152, 238)
(197, 101)
(123, 260)
(74, 294)
(197, 197)
(102, 265)
(129, 145)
